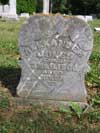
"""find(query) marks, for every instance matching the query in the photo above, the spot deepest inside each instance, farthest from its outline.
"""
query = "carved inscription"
(54, 54)
(51, 59)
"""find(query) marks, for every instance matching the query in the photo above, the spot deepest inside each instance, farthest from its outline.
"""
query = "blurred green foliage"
(26, 6)
(84, 7)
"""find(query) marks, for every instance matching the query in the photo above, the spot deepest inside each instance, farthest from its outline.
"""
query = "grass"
(94, 75)
(38, 119)
(8, 43)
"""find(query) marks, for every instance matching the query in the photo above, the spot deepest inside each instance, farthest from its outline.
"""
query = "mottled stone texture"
(54, 54)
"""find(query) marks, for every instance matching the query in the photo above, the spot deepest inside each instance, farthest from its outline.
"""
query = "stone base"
(44, 103)
(8, 16)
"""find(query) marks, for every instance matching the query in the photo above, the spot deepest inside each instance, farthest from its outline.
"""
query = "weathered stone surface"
(6, 8)
(54, 54)
(54, 104)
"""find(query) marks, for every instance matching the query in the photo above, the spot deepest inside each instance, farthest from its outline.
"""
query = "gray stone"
(26, 102)
(54, 54)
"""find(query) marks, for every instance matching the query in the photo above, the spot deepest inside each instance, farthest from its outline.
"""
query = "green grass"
(38, 119)
(94, 75)
(8, 43)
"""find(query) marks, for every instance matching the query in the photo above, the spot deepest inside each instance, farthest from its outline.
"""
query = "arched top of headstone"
(55, 51)
(71, 30)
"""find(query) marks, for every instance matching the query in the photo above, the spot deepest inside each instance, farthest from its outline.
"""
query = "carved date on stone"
(54, 52)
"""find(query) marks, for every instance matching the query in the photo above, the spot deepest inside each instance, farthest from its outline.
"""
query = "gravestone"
(12, 6)
(24, 15)
(85, 18)
(46, 6)
(54, 54)
(89, 18)
(9, 11)
(1, 9)
(97, 29)
(6, 8)
(81, 17)
(11, 14)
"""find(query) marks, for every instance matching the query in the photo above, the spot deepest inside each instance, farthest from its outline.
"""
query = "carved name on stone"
(54, 52)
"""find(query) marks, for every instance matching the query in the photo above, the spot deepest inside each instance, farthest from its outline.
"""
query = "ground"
(34, 119)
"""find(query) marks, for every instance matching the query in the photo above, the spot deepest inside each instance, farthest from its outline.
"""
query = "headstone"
(6, 8)
(1, 9)
(89, 18)
(45, 6)
(97, 29)
(25, 15)
(12, 13)
(81, 17)
(54, 54)
(85, 18)
(12, 6)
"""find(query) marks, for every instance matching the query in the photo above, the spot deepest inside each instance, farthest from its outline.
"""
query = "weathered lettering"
(54, 52)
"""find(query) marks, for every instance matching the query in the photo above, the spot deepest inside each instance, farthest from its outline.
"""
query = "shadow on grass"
(9, 77)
